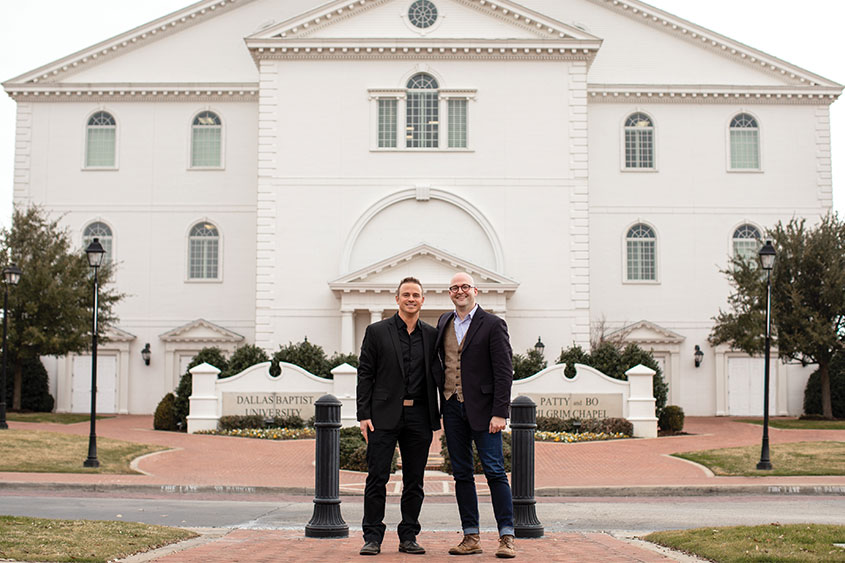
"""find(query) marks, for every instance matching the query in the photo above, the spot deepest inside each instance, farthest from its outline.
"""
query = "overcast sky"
(36, 32)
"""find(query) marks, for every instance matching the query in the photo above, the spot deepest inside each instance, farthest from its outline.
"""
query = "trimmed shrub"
(290, 421)
(555, 424)
(671, 419)
(608, 426)
(338, 359)
(446, 466)
(244, 357)
(529, 364)
(614, 362)
(165, 417)
(813, 391)
(240, 422)
(35, 390)
(308, 356)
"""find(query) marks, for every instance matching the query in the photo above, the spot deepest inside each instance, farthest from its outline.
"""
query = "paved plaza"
(201, 466)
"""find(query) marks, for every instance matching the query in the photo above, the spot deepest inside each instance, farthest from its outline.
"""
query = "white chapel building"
(266, 170)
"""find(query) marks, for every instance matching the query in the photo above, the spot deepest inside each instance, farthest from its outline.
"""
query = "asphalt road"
(618, 515)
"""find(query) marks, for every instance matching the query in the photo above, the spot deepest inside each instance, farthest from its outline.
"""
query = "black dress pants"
(413, 434)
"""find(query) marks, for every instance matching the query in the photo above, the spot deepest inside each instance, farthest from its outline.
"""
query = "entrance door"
(745, 387)
(80, 399)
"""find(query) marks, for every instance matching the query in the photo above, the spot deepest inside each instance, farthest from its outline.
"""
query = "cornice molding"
(715, 42)
(707, 94)
(135, 92)
(137, 37)
(438, 49)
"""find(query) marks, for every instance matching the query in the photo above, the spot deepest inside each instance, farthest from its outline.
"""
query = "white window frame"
(442, 10)
(219, 115)
(732, 241)
(657, 261)
(88, 117)
(729, 163)
(623, 144)
(187, 265)
(86, 240)
(400, 95)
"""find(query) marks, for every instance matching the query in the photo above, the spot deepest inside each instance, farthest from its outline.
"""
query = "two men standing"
(403, 363)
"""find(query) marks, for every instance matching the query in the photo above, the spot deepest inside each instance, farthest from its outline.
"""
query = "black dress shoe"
(370, 548)
(410, 546)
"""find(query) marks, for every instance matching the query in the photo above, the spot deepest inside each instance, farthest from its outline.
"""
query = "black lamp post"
(767, 261)
(11, 276)
(539, 347)
(95, 253)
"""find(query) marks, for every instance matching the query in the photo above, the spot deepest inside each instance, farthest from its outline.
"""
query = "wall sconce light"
(145, 353)
(699, 356)
(540, 348)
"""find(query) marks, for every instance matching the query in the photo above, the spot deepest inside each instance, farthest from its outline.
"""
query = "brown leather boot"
(507, 549)
(469, 545)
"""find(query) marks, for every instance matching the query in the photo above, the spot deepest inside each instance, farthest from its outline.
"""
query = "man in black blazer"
(397, 398)
(475, 353)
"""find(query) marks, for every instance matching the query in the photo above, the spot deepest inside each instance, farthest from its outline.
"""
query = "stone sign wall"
(269, 405)
(578, 405)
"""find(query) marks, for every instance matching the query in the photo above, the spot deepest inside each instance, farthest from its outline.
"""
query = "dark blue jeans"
(459, 439)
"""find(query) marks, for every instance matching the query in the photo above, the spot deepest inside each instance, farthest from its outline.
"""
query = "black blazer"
(381, 375)
(486, 367)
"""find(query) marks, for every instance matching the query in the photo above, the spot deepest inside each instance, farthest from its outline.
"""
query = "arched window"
(203, 252)
(100, 141)
(641, 262)
(639, 141)
(746, 242)
(206, 141)
(745, 143)
(422, 112)
(99, 230)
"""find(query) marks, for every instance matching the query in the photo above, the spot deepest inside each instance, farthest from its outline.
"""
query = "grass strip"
(797, 458)
(39, 539)
(768, 542)
(51, 417)
(35, 451)
(796, 424)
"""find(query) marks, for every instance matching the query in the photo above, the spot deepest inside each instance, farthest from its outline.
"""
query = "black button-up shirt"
(413, 359)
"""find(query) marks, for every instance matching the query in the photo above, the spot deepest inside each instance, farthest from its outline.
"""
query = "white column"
(202, 409)
(345, 380)
(375, 315)
(347, 331)
(641, 401)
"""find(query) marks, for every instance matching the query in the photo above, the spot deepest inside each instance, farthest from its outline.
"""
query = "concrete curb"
(541, 493)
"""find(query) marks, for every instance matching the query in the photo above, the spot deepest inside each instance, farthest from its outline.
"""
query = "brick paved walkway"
(274, 545)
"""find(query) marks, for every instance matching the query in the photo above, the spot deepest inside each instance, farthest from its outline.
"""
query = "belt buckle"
(407, 402)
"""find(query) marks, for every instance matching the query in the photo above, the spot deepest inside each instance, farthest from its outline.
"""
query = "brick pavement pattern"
(284, 545)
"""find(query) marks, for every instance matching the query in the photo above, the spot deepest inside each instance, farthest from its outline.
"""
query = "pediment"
(201, 330)
(646, 332)
(432, 266)
(477, 19)
(114, 334)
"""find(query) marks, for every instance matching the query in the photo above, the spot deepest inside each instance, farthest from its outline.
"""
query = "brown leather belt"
(408, 403)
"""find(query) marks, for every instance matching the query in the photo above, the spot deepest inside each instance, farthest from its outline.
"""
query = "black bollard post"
(523, 424)
(327, 522)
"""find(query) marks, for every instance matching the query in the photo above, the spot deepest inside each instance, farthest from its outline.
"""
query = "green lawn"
(796, 424)
(38, 539)
(770, 542)
(54, 417)
(799, 458)
(35, 451)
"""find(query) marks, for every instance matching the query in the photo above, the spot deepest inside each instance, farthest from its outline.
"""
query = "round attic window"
(422, 13)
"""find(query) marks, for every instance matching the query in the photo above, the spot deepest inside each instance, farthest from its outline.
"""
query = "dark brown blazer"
(381, 375)
(486, 367)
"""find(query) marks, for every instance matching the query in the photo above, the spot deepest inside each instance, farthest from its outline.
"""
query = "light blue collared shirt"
(462, 326)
